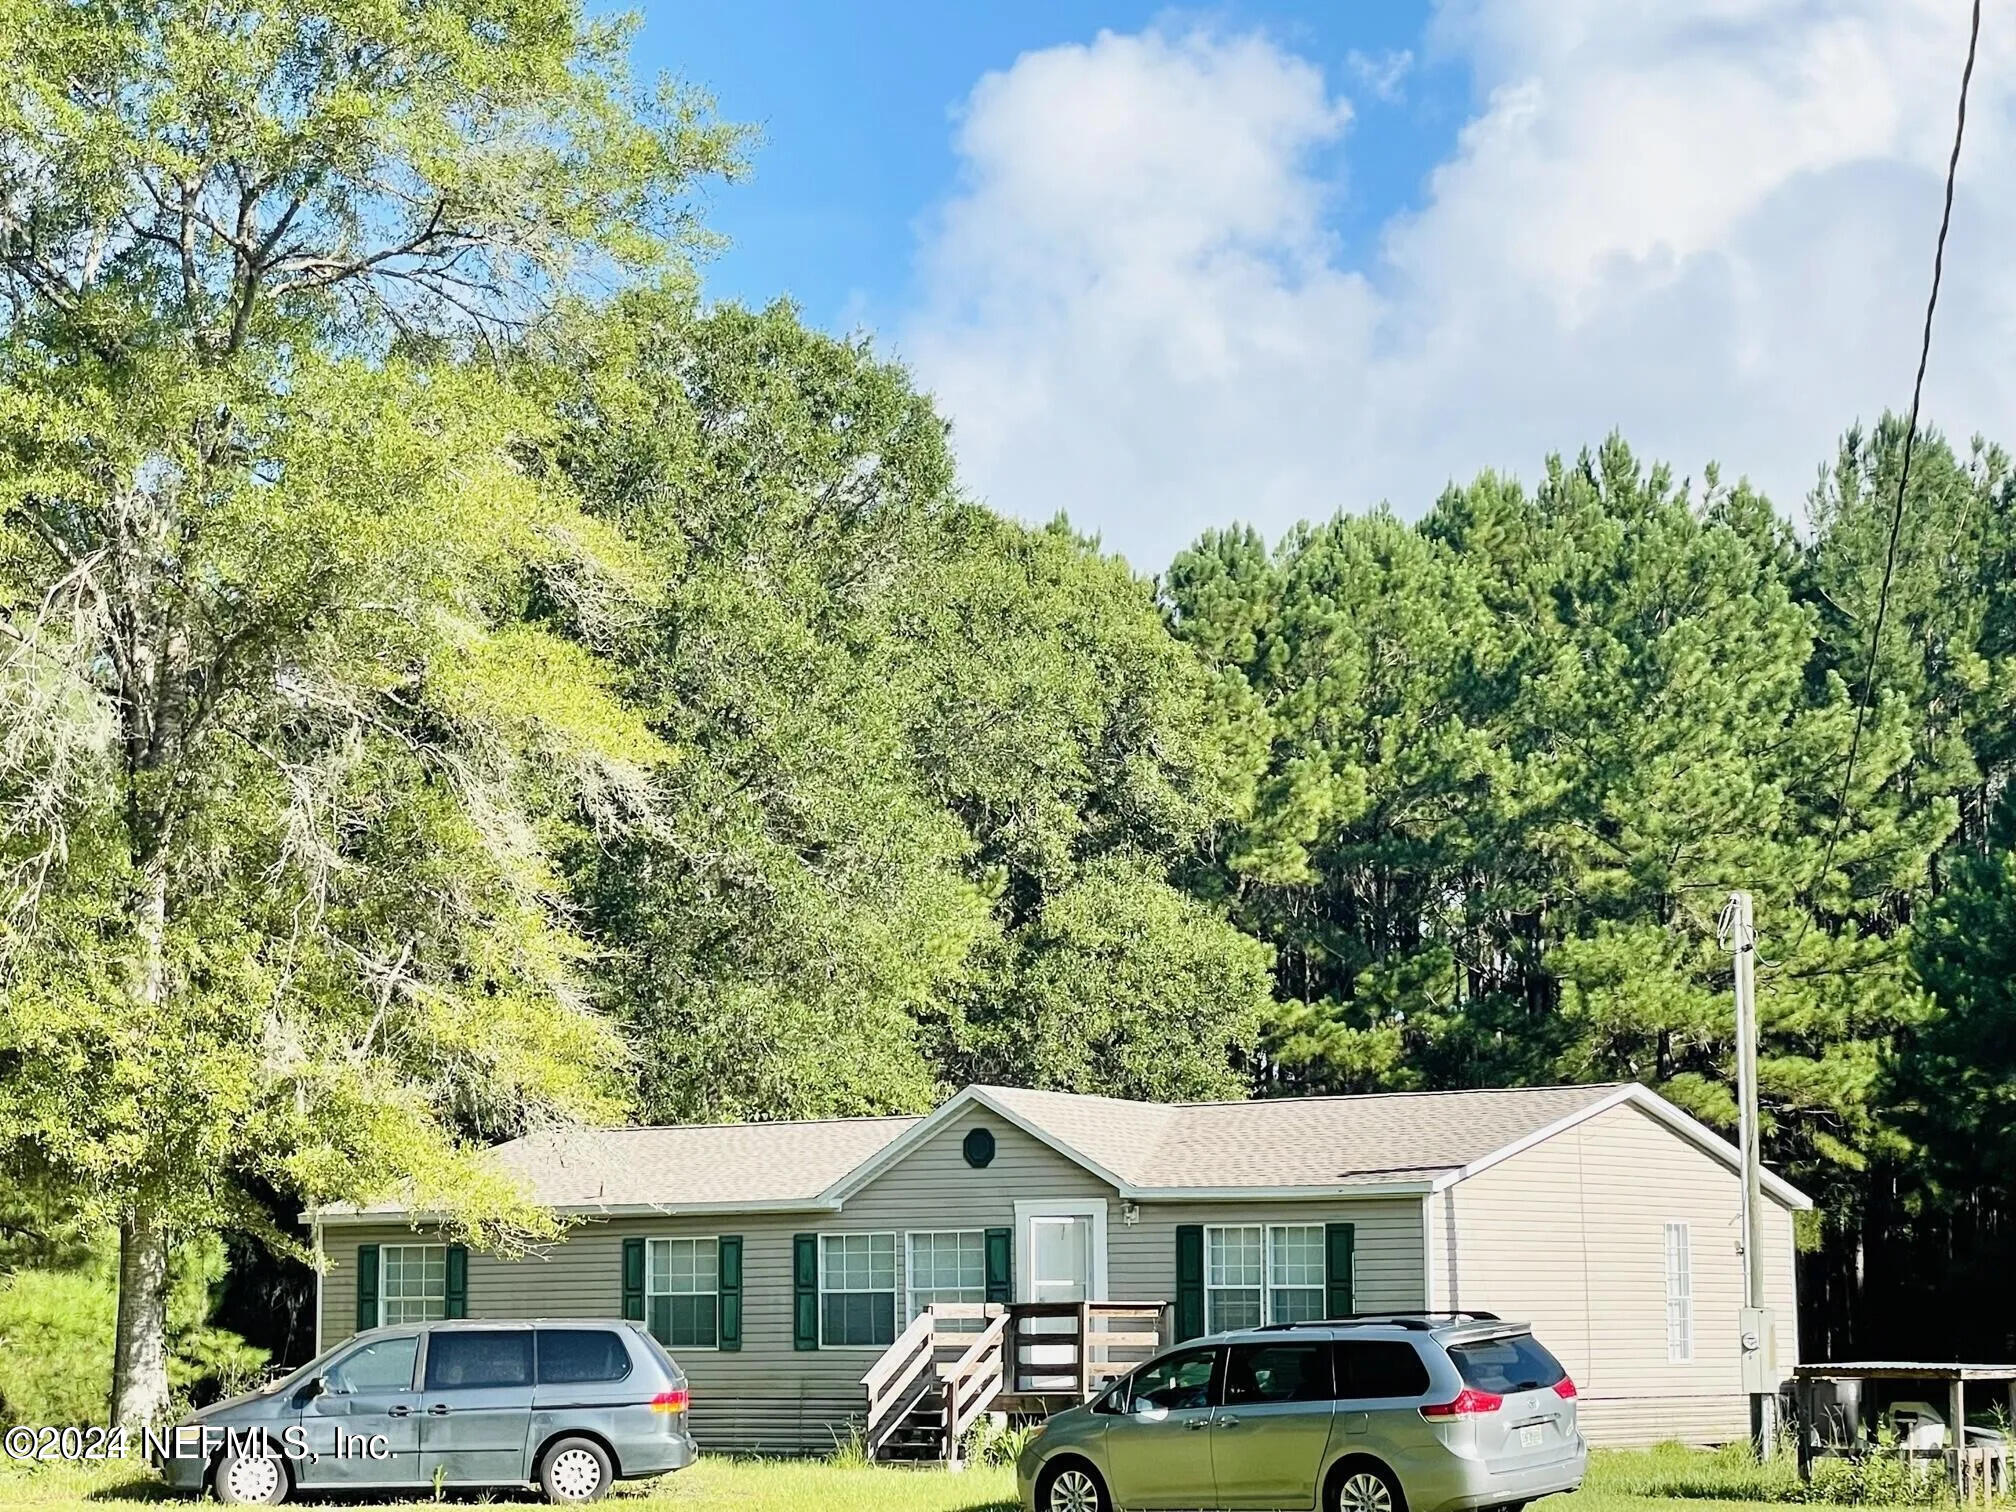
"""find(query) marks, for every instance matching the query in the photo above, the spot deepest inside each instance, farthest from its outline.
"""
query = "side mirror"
(310, 1390)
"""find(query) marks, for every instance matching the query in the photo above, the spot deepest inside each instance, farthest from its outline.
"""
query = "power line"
(1903, 480)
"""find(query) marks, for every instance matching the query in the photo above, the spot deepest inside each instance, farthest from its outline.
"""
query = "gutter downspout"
(320, 1263)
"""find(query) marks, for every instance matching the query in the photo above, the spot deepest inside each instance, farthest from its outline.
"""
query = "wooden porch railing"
(958, 1359)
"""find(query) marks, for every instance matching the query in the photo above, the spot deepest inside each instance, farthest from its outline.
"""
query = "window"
(1679, 1293)
(381, 1365)
(568, 1356)
(857, 1289)
(1255, 1275)
(1371, 1369)
(412, 1283)
(947, 1267)
(465, 1359)
(1181, 1380)
(681, 1280)
(1295, 1273)
(1501, 1366)
(1277, 1373)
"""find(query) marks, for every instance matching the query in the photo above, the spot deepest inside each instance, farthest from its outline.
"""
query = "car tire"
(575, 1470)
(251, 1480)
(1364, 1486)
(1071, 1485)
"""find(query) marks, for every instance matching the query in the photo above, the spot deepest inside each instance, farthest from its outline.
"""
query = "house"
(805, 1274)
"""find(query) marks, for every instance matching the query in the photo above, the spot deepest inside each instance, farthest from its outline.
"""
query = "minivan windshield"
(1505, 1364)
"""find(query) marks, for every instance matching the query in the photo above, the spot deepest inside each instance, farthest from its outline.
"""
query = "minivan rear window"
(1508, 1363)
(569, 1356)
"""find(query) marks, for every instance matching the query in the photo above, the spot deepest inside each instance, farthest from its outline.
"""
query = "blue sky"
(856, 104)
(1168, 270)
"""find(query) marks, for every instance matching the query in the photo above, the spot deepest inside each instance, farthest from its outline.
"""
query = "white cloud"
(1709, 226)
(1382, 75)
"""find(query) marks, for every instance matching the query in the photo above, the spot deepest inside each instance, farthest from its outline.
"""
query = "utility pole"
(1757, 1326)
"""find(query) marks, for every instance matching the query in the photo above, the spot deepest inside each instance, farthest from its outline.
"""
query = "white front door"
(1061, 1257)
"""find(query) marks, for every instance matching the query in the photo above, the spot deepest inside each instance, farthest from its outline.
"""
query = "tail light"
(672, 1401)
(1469, 1400)
(1565, 1389)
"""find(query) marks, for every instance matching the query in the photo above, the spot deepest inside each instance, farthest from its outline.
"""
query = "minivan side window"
(464, 1359)
(570, 1356)
(1369, 1369)
(381, 1365)
(1181, 1380)
(1277, 1373)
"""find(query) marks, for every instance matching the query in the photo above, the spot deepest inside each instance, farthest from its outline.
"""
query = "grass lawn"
(1654, 1480)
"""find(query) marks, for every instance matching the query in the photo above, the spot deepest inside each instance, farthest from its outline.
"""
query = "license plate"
(1532, 1436)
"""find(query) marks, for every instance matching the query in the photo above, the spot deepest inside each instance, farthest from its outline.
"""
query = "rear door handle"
(1227, 1422)
(439, 1409)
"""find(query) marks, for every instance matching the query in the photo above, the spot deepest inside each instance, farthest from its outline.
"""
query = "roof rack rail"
(1418, 1322)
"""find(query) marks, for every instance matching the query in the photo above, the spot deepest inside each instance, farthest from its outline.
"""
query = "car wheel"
(1365, 1487)
(575, 1470)
(251, 1480)
(1072, 1486)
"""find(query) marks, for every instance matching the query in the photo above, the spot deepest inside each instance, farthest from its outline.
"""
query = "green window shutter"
(633, 1279)
(1339, 1241)
(805, 1291)
(729, 1251)
(367, 1286)
(455, 1302)
(1000, 1265)
(1189, 1280)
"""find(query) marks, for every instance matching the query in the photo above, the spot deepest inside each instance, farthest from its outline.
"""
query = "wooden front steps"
(958, 1360)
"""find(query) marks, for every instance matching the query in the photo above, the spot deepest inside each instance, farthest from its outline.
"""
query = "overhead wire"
(1903, 484)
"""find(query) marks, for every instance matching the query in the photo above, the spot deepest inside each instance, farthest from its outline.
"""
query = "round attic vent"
(979, 1148)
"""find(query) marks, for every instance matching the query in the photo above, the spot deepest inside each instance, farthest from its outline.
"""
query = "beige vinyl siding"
(1571, 1235)
(1141, 1263)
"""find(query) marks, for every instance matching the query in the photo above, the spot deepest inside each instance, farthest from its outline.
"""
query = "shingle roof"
(693, 1165)
(1278, 1143)
(1296, 1141)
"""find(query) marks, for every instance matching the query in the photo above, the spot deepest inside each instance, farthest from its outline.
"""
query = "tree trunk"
(140, 1347)
(140, 1339)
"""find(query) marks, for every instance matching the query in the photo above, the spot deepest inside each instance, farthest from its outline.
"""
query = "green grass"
(1667, 1479)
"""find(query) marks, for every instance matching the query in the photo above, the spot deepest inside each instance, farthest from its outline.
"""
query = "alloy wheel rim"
(576, 1474)
(1365, 1492)
(254, 1478)
(1073, 1491)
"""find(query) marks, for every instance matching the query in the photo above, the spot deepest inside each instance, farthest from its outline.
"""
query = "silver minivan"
(567, 1405)
(1400, 1413)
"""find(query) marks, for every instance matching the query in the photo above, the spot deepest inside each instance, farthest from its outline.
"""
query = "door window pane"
(681, 1285)
(1182, 1380)
(381, 1365)
(1277, 1373)
(571, 1355)
(412, 1283)
(1373, 1368)
(465, 1359)
(857, 1289)
(947, 1267)
(1061, 1252)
